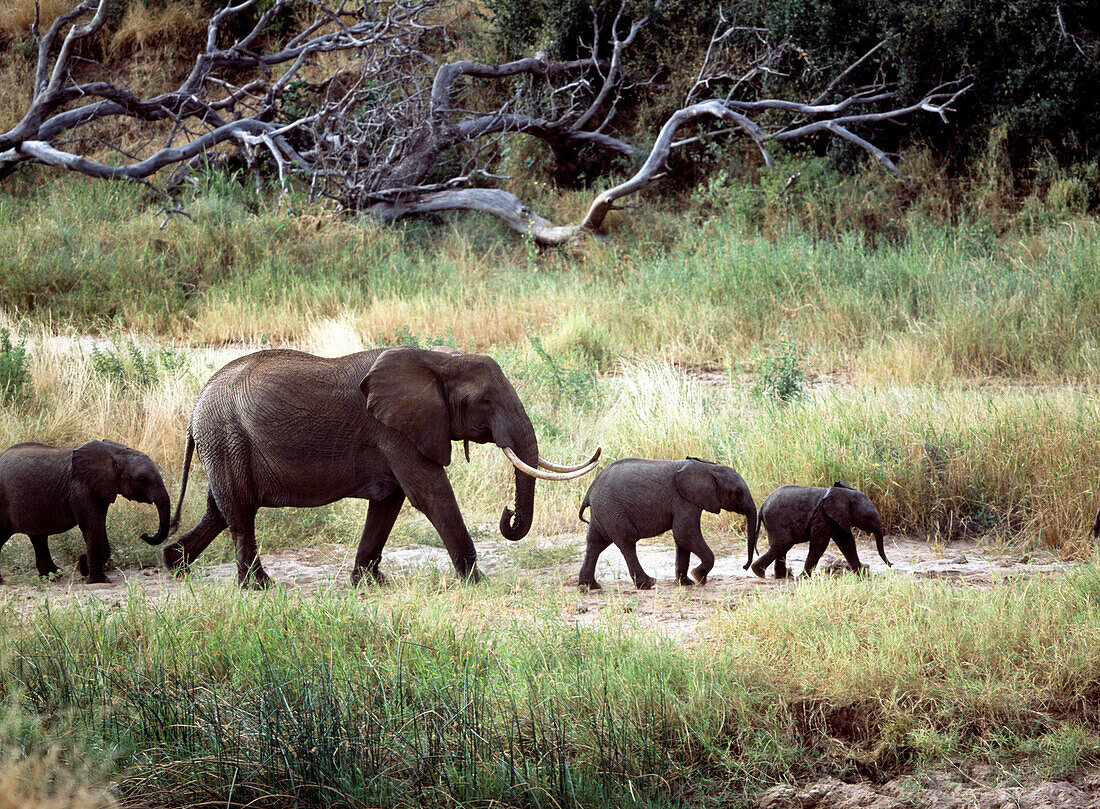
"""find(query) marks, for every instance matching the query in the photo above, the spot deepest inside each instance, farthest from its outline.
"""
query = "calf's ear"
(696, 484)
(95, 466)
(837, 505)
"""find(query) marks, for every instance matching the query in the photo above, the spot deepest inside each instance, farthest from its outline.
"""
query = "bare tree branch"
(375, 133)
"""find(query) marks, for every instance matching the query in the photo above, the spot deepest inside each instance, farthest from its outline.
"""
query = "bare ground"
(678, 612)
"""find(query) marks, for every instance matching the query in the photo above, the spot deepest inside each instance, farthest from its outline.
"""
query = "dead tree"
(397, 133)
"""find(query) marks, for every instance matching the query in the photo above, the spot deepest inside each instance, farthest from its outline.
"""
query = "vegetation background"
(933, 340)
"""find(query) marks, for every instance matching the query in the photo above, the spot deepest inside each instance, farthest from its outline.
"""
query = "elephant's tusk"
(553, 467)
(542, 475)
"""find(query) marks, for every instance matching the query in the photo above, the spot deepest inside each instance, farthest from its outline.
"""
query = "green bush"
(781, 371)
(15, 373)
(131, 366)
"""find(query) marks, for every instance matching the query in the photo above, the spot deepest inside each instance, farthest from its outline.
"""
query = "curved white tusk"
(538, 473)
(553, 467)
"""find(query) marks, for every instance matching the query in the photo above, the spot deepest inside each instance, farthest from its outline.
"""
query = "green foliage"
(131, 366)
(15, 375)
(781, 370)
(1034, 66)
(559, 379)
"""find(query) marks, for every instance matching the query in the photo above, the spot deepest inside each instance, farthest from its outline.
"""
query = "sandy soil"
(962, 564)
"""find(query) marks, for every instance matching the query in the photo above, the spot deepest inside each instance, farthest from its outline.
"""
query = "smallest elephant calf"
(815, 514)
(47, 490)
(635, 498)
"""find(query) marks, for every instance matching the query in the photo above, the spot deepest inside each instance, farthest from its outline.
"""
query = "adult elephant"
(285, 428)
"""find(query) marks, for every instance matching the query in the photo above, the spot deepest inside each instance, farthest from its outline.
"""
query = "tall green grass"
(945, 301)
(493, 696)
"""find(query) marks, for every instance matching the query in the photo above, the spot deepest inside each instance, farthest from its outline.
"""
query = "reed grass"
(460, 695)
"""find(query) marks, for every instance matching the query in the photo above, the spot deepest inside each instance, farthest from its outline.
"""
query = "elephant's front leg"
(429, 491)
(92, 562)
(689, 540)
(43, 561)
(381, 515)
(847, 544)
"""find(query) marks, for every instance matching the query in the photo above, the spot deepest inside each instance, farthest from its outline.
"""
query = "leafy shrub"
(15, 374)
(132, 366)
(781, 371)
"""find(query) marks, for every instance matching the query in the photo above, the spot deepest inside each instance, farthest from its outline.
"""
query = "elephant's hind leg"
(760, 566)
(381, 515)
(595, 544)
(187, 548)
(250, 571)
(641, 579)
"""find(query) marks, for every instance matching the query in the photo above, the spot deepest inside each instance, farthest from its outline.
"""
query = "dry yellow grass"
(43, 782)
(173, 24)
(17, 16)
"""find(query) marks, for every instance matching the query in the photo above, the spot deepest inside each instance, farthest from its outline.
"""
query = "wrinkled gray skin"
(635, 498)
(47, 490)
(284, 428)
(815, 514)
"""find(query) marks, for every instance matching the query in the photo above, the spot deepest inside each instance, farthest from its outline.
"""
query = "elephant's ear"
(837, 505)
(404, 391)
(94, 464)
(697, 485)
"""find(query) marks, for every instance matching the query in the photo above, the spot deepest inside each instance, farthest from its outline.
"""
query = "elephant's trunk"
(164, 509)
(514, 524)
(752, 525)
(881, 552)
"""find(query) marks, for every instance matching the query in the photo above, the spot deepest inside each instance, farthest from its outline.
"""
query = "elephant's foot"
(862, 570)
(684, 580)
(51, 570)
(175, 557)
(700, 575)
(759, 569)
(97, 578)
(368, 575)
(474, 576)
(786, 574)
(255, 578)
(645, 583)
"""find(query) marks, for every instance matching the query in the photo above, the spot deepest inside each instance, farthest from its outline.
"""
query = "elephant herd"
(285, 428)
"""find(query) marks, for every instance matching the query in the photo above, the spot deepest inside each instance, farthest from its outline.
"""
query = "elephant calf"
(47, 490)
(636, 498)
(814, 514)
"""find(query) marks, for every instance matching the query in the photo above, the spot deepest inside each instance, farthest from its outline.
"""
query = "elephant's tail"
(584, 505)
(188, 452)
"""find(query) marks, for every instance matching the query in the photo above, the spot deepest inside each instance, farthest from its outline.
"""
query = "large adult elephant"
(285, 428)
